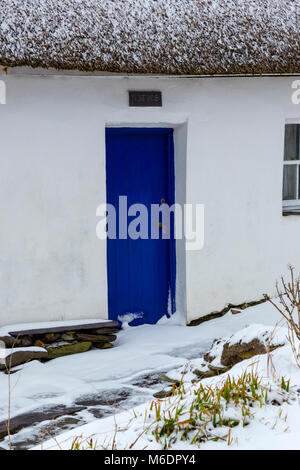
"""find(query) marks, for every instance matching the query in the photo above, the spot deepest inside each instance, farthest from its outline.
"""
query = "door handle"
(161, 225)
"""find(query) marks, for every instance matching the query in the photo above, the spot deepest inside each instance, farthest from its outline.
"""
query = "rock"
(25, 341)
(39, 344)
(68, 337)
(250, 341)
(209, 356)
(21, 357)
(26, 420)
(235, 311)
(107, 397)
(106, 331)
(232, 354)
(9, 341)
(67, 349)
(96, 338)
(218, 369)
(163, 394)
(103, 345)
(275, 402)
(51, 337)
(165, 378)
(14, 370)
(203, 374)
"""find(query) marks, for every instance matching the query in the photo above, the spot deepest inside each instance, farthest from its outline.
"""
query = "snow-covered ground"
(166, 347)
(271, 426)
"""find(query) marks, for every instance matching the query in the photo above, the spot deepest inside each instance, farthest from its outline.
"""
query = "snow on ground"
(146, 349)
(272, 426)
(4, 330)
(137, 350)
(269, 336)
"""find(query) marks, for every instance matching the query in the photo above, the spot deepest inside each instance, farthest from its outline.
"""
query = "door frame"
(169, 131)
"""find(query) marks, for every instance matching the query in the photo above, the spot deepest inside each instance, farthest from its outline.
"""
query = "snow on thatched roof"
(152, 36)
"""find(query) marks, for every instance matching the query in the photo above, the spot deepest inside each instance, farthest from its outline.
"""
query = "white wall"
(52, 178)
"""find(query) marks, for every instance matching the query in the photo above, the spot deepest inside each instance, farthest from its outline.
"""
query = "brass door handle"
(161, 225)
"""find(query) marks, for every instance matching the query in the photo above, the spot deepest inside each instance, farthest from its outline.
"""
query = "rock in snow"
(248, 342)
(67, 349)
(42, 343)
(19, 356)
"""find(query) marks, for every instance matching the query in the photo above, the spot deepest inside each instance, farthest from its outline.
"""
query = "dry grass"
(198, 415)
(288, 294)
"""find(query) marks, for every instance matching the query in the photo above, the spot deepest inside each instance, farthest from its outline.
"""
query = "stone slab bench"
(69, 327)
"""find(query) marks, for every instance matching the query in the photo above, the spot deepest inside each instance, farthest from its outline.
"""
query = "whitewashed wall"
(52, 178)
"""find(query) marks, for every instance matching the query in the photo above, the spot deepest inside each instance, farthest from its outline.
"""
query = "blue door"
(141, 272)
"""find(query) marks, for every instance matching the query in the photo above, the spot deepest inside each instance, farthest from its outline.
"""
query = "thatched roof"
(202, 37)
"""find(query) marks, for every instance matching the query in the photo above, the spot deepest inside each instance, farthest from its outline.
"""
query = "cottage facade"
(234, 117)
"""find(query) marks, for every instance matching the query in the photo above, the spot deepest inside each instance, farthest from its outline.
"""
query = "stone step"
(21, 356)
(62, 328)
(68, 349)
(105, 331)
(96, 338)
(25, 420)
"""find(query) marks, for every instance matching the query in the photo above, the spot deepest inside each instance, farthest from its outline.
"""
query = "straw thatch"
(203, 37)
